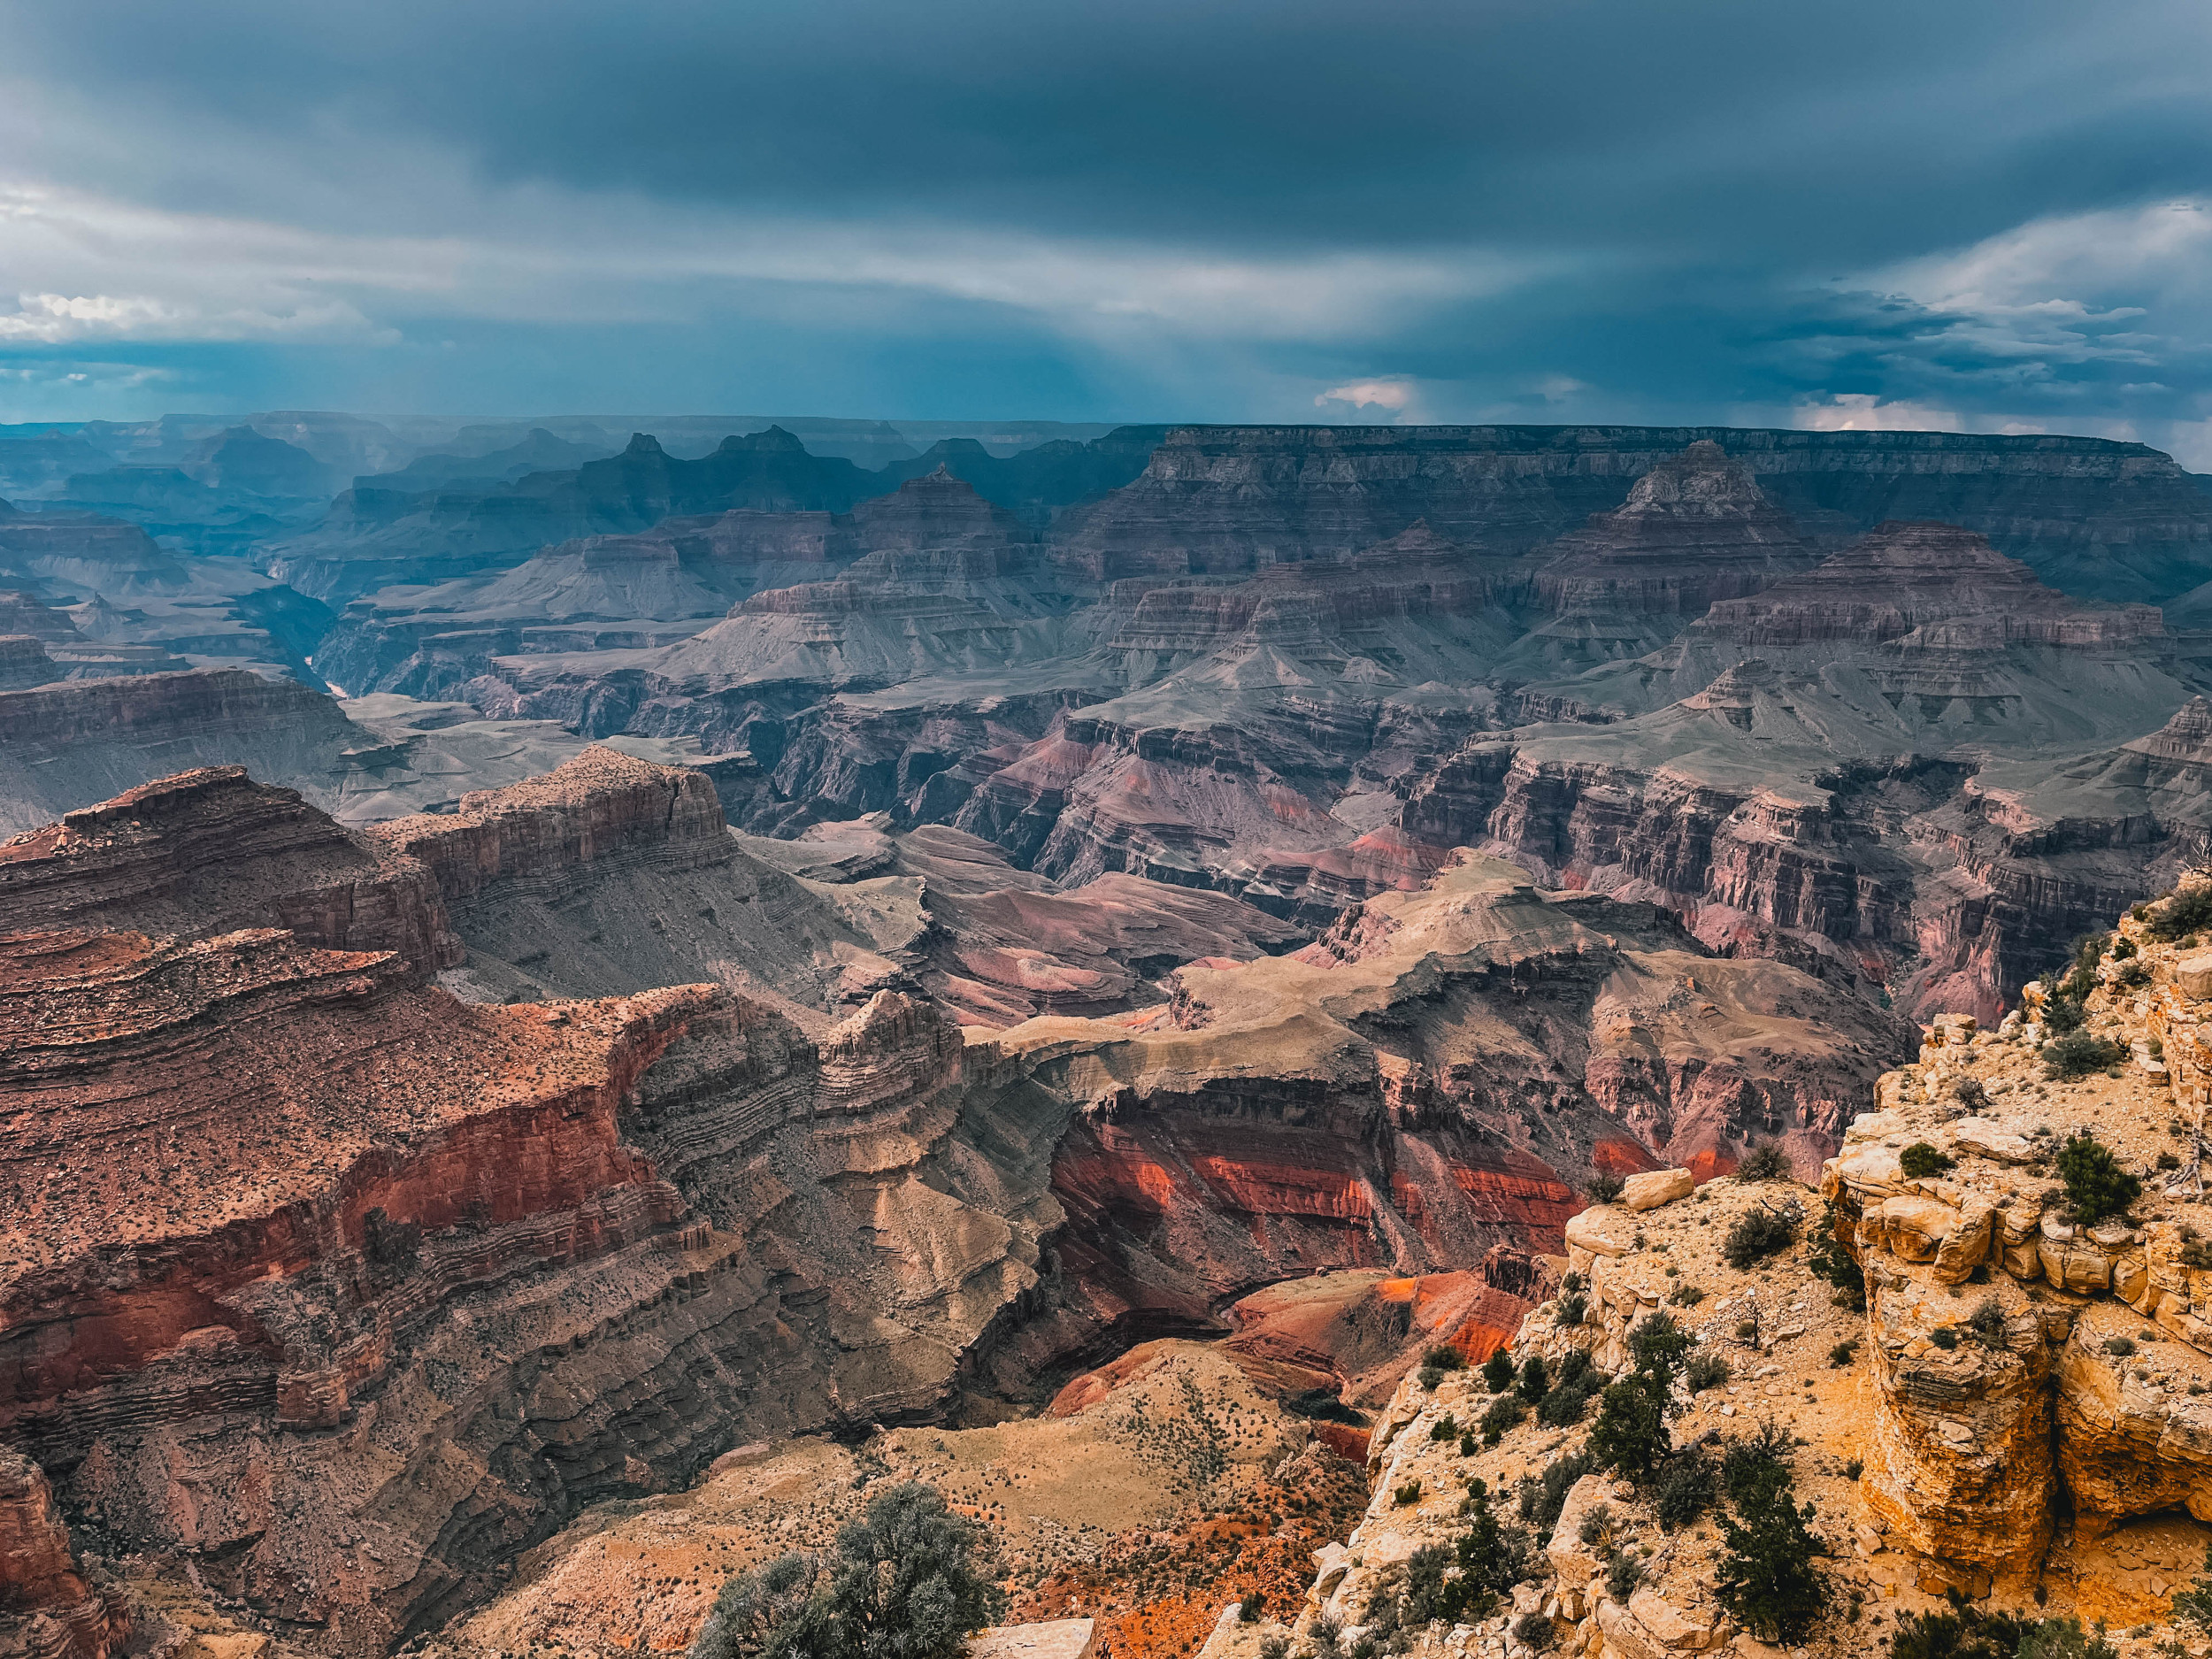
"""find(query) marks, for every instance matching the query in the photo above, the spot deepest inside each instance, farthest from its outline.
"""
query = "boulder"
(1655, 1188)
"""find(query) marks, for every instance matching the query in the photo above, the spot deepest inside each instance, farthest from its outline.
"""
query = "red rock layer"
(48, 1610)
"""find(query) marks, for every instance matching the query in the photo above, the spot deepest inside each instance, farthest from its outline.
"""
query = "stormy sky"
(1979, 216)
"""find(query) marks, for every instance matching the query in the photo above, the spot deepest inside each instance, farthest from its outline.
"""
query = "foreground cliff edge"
(2021, 1416)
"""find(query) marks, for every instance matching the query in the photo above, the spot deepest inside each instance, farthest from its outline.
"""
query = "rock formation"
(528, 1246)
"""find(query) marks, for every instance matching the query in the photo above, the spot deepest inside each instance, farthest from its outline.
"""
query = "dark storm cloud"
(1626, 209)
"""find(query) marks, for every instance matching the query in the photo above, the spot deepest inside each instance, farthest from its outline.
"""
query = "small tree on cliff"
(904, 1585)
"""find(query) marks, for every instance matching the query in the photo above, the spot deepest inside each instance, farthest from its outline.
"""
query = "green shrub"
(1852, 1469)
(1919, 1160)
(1248, 1610)
(1685, 1296)
(1843, 1354)
(2096, 1186)
(1987, 1324)
(1757, 1234)
(1602, 1188)
(1445, 1357)
(1534, 1630)
(1444, 1428)
(2120, 1346)
(2065, 1638)
(1565, 1403)
(2193, 1605)
(1622, 1573)
(1828, 1260)
(1542, 1500)
(2061, 1015)
(1944, 1337)
(1705, 1369)
(904, 1579)
(1658, 1347)
(1766, 1576)
(1408, 1493)
(1630, 1435)
(1595, 1524)
(1684, 1491)
(1429, 1378)
(1498, 1371)
(2078, 1053)
(1571, 1310)
(1506, 1412)
(2181, 912)
(1467, 1444)
(1965, 1632)
(1535, 1379)
(1764, 1161)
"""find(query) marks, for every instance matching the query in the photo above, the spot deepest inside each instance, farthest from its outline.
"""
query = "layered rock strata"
(344, 1290)
(1430, 1080)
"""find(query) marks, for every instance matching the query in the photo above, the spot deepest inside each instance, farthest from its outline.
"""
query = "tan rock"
(1572, 1560)
(1655, 1188)
(1992, 1140)
(1055, 1638)
(2193, 975)
(1625, 1635)
(1958, 1460)
(1683, 1630)
(1601, 1230)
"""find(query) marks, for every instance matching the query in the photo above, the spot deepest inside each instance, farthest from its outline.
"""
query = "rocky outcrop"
(47, 1607)
(212, 851)
(1695, 529)
(345, 1290)
(613, 874)
(1982, 1440)
(24, 662)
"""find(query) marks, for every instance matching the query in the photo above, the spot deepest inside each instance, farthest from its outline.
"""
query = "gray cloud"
(1554, 210)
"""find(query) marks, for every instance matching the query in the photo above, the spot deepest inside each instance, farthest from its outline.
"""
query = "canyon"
(566, 964)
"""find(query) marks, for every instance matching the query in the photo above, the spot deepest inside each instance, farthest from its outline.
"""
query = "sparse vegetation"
(1705, 1369)
(1764, 1161)
(1541, 1501)
(1498, 1371)
(1828, 1260)
(1843, 1354)
(1409, 1492)
(2181, 912)
(1505, 1412)
(1757, 1234)
(2120, 1346)
(904, 1581)
(1767, 1578)
(1445, 1428)
(2078, 1053)
(1445, 1357)
(1535, 1379)
(1987, 1322)
(1919, 1160)
(2096, 1186)
(1568, 1398)
(1602, 1188)
(1944, 1337)
(1571, 1309)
